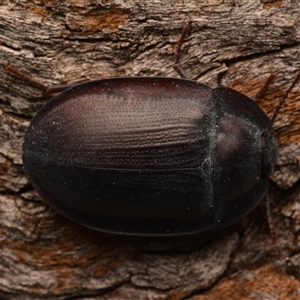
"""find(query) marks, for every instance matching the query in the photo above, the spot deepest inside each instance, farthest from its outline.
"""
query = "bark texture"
(236, 43)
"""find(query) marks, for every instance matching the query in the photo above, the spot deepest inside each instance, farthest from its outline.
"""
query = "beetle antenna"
(270, 220)
(262, 91)
(284, 97)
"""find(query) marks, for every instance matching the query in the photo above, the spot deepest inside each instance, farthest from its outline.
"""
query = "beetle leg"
(36, 83)
(270, 220)
(177, 67)
(262, 91)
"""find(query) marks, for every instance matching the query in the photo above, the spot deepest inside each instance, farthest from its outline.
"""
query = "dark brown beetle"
(150, 156)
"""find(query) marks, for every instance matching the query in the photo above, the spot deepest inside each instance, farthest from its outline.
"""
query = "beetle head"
(269, 151)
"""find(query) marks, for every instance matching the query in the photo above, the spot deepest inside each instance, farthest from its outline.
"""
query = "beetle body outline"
(156, 198)
(149, 164)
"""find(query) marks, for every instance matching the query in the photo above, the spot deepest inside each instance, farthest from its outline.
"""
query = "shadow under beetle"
(150, 155)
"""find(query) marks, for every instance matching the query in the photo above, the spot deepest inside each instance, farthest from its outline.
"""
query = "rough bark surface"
(236, 43)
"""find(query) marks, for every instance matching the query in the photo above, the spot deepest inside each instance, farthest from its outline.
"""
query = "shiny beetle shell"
(150, 156)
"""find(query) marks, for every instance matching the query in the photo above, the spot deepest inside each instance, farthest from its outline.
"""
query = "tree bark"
(235, 43)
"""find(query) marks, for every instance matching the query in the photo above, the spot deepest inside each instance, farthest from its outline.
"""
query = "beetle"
(150, 155)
